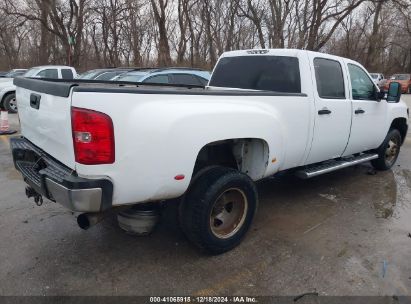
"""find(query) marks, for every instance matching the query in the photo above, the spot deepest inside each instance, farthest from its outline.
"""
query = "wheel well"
(401, 125)
(5, 95)
(248, 155)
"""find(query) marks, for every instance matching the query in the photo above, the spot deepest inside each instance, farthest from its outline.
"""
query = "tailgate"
(44, 109)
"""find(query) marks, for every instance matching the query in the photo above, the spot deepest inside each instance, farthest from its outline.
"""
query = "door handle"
(324, 111)
(359, 111)
(35, 101)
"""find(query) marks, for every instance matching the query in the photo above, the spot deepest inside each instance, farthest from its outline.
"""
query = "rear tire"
(10, 103)
(218, 208)
(388, 152)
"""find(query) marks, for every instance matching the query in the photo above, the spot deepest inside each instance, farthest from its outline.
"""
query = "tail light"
(93, 137)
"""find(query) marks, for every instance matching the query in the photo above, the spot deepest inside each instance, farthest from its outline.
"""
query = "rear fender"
(188, 134)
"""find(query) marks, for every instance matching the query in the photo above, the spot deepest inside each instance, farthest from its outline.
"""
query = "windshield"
(109, 75)
(89, 74)
(400, 77)
(374, 76)
(132, 77)
(32, 72)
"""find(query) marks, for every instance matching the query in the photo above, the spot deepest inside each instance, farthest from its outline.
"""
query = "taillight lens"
(93, 137)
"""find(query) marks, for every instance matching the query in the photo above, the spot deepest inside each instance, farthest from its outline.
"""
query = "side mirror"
(380, 95)
(394, 92)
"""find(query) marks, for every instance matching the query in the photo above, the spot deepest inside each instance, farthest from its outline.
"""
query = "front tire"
(10, 103)
(388, 152)
(218, 208)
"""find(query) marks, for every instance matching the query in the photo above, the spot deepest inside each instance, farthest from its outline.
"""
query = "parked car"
(179, 76)
(8, 89)
(263, 112)
(378, 79)
(3, 73)
(104, 74)
(403, 79)
(12, 74)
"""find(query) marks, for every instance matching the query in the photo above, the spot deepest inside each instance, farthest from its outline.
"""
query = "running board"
(334, 165)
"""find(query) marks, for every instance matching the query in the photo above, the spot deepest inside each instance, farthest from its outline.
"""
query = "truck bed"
(62, 88)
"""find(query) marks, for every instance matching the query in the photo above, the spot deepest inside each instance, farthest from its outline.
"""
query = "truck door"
(332, 121)
(369, 124)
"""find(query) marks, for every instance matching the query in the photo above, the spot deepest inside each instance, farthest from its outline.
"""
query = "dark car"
(104, 74)
(175, 76)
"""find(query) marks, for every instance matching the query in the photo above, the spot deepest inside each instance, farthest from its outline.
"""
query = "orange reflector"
(179, 177)
(274, 160)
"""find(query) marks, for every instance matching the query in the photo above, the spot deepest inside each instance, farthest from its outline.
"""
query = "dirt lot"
(346, 233)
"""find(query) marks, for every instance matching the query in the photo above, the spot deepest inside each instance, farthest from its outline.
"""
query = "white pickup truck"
(8, 89)
(94, 146)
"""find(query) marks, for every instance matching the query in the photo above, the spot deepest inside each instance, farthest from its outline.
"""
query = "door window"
(330, 79)
(49, 73)
(203, 81)
(363, 87)
(157, 79)
(186, 79)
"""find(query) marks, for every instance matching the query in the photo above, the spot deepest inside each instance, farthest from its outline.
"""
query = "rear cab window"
(67, 74)
(264, 73)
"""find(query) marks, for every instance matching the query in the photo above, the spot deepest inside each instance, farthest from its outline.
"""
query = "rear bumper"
(58, 183)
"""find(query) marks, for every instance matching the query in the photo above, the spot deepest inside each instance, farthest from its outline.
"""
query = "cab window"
(49, 73)
(67, 74)
(263, 73)
(330, 79)
(363, 87)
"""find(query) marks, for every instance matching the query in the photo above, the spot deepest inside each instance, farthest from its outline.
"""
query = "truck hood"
(3, 80)
(7, 86)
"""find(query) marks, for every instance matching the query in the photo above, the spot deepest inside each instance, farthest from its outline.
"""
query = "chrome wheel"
(228, 213)
(392, 150)
(13, 104)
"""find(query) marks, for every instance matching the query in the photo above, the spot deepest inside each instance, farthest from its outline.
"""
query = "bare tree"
(93, 33)
(160, 15)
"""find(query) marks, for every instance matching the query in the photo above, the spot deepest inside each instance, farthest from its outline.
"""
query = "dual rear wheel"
(218, 209)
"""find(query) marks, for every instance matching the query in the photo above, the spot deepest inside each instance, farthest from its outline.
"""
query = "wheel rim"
(392, 151)
(228, 213)
(13, 104)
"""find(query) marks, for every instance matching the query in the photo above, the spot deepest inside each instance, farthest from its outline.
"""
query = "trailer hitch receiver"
(38, 199)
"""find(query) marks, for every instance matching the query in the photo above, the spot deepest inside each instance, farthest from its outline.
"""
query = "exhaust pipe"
(87, 220)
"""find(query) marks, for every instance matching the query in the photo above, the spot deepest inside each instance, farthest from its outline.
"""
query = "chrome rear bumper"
(53, 180)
